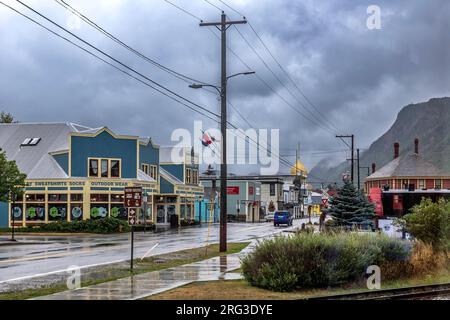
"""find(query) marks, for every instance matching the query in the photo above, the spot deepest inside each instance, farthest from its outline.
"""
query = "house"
(75, 173)
(404, 181)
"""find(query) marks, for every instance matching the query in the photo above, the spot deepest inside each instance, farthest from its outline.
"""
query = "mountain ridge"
(428, 121)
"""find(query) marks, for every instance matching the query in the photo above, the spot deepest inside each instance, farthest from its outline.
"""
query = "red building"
(403, 182)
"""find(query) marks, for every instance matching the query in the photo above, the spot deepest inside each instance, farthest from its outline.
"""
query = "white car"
(269, 216)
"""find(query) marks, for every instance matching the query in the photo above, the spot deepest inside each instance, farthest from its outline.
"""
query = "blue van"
(283, 217)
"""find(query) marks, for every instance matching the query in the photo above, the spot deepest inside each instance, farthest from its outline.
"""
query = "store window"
(35, 197)
(35, 212)
(76, 197)
(99, 197)
(57, 197)
(76, 206)
(99, 206)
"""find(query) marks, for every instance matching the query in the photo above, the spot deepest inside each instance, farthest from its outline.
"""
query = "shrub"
(106, 225)
(429, 222)
(424, 260)
(319, 260)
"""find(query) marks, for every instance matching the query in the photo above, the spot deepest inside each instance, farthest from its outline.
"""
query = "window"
(188, 176)
(77, 197)
(30, 142)
(115, 168)
(57, 197)
(117, 197)
(93, 168)
(194, 176)
(99, 197)
(154, 172)
(438, 184)
(145, 168)
(35, 197)
(421, 184)
(104, 168)
(272, 189)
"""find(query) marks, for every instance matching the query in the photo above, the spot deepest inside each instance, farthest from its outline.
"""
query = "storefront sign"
(233, 190)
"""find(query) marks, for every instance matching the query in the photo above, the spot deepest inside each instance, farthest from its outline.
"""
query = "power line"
(112, 65)
(183, 10)
(93, 24)
(326, 127)
(231, 8)
(217, 7)
(103, 60)
(186, 12)
(282, 68)
(118, 61)
(290, 78)
(271, 88)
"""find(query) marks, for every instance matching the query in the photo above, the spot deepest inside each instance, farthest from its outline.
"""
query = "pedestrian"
(322, 220)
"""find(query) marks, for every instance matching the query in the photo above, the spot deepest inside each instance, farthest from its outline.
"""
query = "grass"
(242, 290)
(118, 271)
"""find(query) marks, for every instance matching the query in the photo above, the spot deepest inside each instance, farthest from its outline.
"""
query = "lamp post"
(222, 90)
(145, 198)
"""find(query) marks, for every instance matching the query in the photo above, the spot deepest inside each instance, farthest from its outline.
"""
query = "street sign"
(133, 197)
(132, 216)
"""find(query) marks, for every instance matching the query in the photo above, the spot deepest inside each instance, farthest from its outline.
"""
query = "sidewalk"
(146, 284)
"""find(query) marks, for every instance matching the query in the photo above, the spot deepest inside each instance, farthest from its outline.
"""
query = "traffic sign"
(133, 197)
(132, 216)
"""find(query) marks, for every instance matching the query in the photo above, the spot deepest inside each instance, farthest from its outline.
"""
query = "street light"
(219, 89)
(222, 90)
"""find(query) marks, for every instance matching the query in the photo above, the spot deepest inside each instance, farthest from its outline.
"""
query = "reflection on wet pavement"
(147, 284)
(47, 259)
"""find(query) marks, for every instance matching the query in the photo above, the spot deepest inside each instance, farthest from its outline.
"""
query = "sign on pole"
(132, 216)
(133, 197)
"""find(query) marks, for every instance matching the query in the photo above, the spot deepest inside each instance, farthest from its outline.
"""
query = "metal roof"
(169, 177)
(410, 165)
(142, 176)
(36, 161)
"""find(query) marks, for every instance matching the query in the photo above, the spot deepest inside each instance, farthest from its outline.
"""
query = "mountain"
(429, 121)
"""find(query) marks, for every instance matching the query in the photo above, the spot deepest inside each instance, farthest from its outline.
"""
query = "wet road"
(53, 254)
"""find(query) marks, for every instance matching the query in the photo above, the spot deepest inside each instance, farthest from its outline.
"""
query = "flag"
(206, 139)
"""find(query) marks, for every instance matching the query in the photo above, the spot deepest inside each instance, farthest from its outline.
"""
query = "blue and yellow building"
(76, 173)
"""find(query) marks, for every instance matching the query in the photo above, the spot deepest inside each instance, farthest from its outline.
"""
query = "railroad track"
(408, 293)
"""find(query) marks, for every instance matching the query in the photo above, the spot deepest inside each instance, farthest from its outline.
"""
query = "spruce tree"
(350, 206)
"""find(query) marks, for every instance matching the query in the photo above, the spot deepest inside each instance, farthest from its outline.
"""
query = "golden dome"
(299, 168)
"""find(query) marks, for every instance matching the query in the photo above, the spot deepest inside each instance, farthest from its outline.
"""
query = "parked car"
(269, 216)
(283, 217)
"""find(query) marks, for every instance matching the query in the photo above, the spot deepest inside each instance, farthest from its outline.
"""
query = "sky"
(352, 79)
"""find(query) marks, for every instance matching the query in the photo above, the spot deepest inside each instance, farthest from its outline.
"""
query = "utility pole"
(352, 147)
(357, 166)
(224, 25)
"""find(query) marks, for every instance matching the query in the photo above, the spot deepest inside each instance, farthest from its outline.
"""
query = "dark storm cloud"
(357, 78)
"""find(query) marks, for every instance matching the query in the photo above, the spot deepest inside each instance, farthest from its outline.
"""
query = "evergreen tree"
(350, 206)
